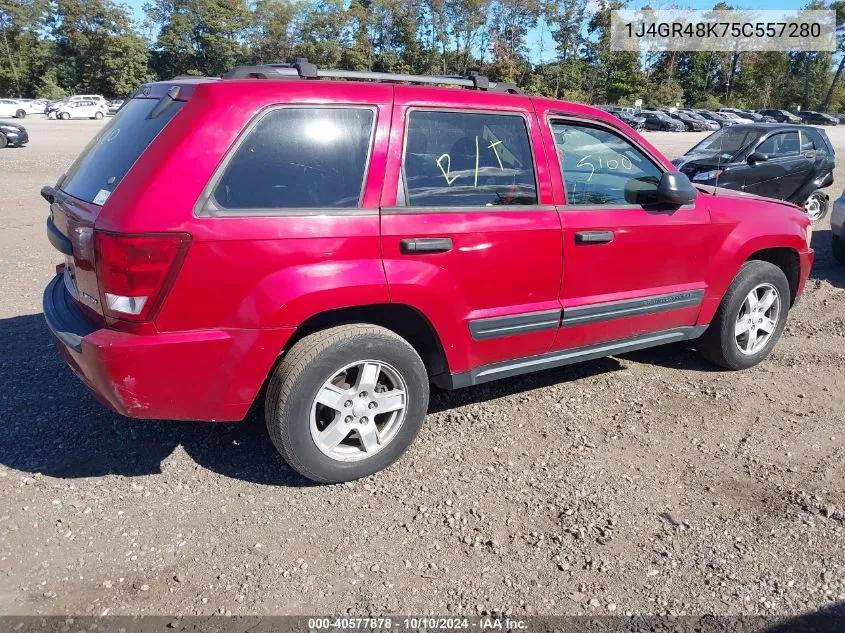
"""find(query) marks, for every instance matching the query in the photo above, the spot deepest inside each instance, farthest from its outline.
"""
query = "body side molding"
(506, 369)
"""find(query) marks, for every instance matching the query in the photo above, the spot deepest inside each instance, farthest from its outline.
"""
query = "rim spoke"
(370, 439)
(390, 401)
(751, 300)
(334, 434)
(368, 377)
(742, 326)
(751, 341)
(768, 299)
(768, 326)
(332, 397)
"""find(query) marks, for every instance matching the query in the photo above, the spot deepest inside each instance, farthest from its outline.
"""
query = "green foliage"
(49, 48)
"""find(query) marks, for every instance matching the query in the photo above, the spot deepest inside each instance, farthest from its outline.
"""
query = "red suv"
(347, 243)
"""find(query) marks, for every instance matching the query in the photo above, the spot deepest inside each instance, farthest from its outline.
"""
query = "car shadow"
(50, 424)
(825, 267)
(830, 619)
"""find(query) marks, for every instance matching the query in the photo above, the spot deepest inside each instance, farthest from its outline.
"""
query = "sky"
(540, 42)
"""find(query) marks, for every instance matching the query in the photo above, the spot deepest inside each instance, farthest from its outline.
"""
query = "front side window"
(780, 145)
(299, 158)
(601, 168)
(462, 159)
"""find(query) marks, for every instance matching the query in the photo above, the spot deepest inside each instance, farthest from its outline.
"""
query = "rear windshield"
(107, 158)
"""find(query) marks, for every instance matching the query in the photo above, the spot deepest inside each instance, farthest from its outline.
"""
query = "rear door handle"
(425, 245)
(593, 237)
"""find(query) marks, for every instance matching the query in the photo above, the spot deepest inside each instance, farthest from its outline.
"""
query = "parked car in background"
(839, 117)
(656, 120)
(82, 110)
(53, 107)
(309, 251)
(816, 118)
(98, 99)
(748, 115)
(12, 134)
(837, 228)
(691, 124)
(13, 108)
(114, 106)
(711, 125)
(780, 116)
(775, 160)
(731, 116)
(716, 117)
(634, 121)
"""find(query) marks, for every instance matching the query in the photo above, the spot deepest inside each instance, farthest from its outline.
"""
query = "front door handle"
(593, 237)
(425, 245)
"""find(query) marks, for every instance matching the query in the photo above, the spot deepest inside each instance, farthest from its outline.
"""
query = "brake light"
(135, 272)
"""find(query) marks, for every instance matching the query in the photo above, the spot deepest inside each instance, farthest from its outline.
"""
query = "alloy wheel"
(358, 410)
(757, 319)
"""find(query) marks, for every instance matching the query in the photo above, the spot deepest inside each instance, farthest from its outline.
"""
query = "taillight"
(135, 272)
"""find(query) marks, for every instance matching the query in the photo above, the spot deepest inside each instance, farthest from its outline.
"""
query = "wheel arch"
(403, 320)
(787, 260)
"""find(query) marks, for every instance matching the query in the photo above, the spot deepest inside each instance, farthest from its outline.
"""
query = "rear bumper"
(211, 375)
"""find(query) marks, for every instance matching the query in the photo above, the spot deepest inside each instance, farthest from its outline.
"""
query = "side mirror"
(675, 189)
(757, 157)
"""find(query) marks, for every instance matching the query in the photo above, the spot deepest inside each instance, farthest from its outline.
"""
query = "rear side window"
(462, 159)
(299, 158)
(111, 154)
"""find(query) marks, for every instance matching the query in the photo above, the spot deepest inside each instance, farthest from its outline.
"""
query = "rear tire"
(816, 206)
(3, 141)
(64, 116)
(20, 114)
(720, 343)
(838, 248)
(373, 384)
(98, 115)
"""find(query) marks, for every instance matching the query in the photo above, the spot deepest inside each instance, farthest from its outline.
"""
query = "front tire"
(346, 402)
(838, 248)
(750, 318)
(3, 141)
(64, 116)
(20, 114)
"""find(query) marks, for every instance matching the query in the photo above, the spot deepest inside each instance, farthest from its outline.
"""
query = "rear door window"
(465, 159)
(111, 154)
(299, 158)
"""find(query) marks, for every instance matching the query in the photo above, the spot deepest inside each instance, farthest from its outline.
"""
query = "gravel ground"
(646, 483)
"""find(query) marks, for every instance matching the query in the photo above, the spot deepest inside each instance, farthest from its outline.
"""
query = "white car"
(82, 110)
(13, 108)
(95, 98)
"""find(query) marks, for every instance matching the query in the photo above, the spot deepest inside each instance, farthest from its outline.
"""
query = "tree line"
(51, 48)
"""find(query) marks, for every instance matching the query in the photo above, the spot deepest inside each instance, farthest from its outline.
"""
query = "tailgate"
(70, 228)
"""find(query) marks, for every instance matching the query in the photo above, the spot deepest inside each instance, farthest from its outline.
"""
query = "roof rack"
(303, 69)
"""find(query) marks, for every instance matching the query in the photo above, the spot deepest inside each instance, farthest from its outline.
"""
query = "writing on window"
(601, 168)
(468, 159)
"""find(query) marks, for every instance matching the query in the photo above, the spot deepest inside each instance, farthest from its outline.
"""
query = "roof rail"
(303, 69)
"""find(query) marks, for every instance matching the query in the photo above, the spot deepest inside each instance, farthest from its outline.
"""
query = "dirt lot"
(647, 483)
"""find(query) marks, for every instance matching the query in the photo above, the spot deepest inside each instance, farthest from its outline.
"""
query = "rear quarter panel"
(250, 271)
